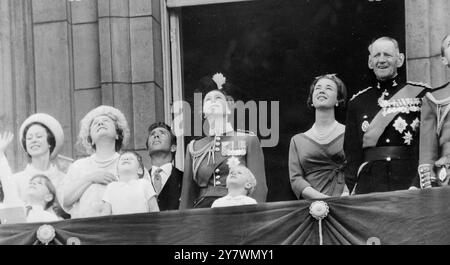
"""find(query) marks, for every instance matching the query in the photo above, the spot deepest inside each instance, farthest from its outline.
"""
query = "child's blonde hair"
(250, 178)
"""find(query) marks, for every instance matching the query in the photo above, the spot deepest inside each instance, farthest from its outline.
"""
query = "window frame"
(172, 59)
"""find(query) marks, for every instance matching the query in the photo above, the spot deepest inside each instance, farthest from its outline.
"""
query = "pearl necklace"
(324, 134)
(106, 162)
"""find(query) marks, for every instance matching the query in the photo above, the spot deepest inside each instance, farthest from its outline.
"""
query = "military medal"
(415, 124)
(408, 138)
(403, 105)
(365, 126)
(400, 125)
(234, 148)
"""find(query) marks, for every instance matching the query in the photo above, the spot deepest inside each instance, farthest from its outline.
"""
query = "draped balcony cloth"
(402, 217)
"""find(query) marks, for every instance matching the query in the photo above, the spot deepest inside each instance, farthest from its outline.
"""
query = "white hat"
(51, 123)
(116, 115)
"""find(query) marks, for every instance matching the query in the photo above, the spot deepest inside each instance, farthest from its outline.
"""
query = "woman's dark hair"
(207, 85)
(50, 137)
(341, 90)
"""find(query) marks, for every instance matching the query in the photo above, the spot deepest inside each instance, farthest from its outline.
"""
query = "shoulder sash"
(380, 122)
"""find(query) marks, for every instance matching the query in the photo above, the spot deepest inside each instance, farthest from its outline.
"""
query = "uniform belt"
(213, 191)
(387, 153)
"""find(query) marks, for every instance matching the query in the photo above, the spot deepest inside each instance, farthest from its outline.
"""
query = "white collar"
(166, 168)
(36, 207)
(221, 130)
(34, 171)
(130, 182)
(237, 197)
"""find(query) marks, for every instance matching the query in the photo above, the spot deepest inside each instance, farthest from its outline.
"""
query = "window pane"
(272, 50)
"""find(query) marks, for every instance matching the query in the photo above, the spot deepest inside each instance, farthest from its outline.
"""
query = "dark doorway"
(273, 50)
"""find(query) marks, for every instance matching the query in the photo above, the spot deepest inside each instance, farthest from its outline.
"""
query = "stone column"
(53, 64)
(427, 22)
(67, 57)
(17, 86)
(131, 63)
(86, 61)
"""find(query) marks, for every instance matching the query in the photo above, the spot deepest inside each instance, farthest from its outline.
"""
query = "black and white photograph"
(249, 124)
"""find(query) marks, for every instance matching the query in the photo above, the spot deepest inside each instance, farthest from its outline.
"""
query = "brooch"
(365, 126)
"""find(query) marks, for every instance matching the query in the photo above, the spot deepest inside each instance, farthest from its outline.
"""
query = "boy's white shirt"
(37, 214)
(129, 197)
(233, 201)
(90, 203)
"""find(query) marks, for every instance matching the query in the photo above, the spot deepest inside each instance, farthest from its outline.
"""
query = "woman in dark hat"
(208, 159)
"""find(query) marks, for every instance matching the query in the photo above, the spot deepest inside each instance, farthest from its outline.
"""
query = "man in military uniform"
(434, 158)
(382, 126)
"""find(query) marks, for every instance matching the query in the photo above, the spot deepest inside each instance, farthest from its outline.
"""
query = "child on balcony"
(240, 183)
(131, 193)
(40, 199)
(41, 196)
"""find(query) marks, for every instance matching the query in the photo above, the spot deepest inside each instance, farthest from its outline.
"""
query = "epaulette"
(245, 132)
(359, 93)
(425, 85)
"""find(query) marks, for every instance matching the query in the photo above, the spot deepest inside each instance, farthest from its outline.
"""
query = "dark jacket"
(209, 179)
(169, 198)
(401, 131)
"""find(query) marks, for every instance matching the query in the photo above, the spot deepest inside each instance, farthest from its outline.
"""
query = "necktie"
(157, 181)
